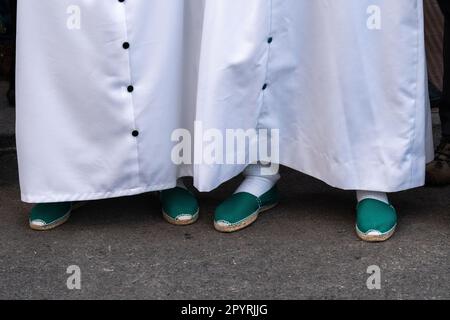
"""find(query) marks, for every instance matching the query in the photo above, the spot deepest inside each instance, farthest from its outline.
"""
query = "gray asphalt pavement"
(304, 249)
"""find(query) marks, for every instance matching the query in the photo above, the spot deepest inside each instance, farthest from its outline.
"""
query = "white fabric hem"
(52, 197)
(413, 180)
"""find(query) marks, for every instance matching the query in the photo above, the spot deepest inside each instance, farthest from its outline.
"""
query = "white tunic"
(345, 84)
(344, 80)
(75, 116)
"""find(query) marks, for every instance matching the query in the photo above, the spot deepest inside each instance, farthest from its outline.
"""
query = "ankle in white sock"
(380, 196)
(256, 183)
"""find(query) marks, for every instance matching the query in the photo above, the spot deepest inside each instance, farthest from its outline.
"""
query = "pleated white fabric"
(345, 84)
(102, 85)
(75, 116)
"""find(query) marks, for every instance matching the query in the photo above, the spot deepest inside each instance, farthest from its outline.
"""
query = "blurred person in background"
(438, 172)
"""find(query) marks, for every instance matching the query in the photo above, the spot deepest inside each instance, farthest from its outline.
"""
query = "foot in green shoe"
(376, 221)
(242, 209)
(47, 216)
(179, 206)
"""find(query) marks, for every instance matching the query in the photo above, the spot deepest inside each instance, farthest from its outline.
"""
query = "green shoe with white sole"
(48, 216)
(376, 221)
(179, 206)
(242, 209)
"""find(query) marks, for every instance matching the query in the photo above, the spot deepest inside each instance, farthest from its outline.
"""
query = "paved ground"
(306, 248)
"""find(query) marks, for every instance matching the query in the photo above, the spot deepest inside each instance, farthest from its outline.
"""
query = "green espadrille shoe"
(47, 216)
(375, 221)
(179, 206)
(242, 209)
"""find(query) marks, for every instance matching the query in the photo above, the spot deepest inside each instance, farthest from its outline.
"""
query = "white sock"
(380, 196)
(257, 183)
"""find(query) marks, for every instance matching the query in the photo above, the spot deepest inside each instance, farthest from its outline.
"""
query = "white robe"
(75, 116)
(349, 99)
(347, 87)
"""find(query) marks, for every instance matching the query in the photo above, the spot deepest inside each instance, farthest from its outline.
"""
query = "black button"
(130, 89)
(270, 40)
(265, 86)
(135, 133)
(121, 0)
(126, 45)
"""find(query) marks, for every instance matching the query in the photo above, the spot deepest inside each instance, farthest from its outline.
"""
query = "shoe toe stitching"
(184, 216)
(224, 223)
(38, 222)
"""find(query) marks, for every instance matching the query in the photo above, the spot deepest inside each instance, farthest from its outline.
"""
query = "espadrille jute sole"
(176, 222)
(243, 223)
(376, 238)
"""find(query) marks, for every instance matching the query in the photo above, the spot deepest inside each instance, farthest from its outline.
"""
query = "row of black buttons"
(269, 41)
(130, 88)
